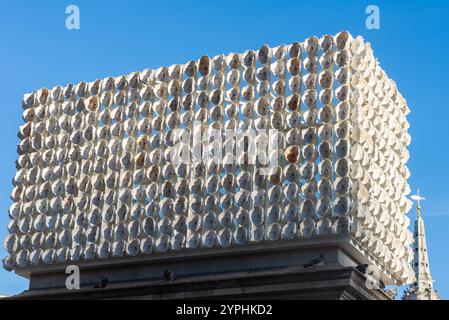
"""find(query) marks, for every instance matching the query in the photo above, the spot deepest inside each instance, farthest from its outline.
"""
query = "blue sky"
(115, 38)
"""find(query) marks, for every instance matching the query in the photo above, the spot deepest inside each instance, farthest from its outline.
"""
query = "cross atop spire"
(417, 197)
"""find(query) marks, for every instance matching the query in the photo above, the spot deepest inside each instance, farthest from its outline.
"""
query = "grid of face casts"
(306, 140)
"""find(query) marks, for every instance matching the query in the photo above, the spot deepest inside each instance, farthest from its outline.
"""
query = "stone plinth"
(270, 274)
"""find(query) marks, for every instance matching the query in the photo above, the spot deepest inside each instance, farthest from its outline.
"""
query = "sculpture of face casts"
(99, 176)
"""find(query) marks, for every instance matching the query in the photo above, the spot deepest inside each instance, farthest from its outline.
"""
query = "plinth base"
(275, 274)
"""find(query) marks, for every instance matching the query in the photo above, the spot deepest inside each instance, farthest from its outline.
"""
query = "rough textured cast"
(96, 179)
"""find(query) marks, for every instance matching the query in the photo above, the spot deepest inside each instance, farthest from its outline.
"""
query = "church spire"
(422, 288)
